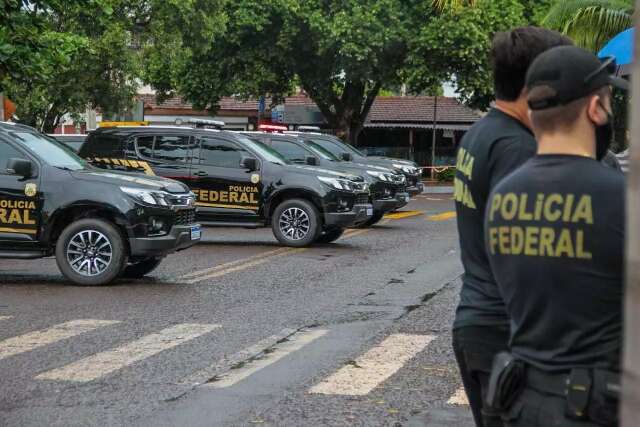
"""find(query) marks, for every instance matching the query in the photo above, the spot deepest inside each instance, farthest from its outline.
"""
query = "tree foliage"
(339, 52)
(61, 57)
(590, 23)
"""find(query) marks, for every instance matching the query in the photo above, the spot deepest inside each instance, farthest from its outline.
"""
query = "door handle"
(201, 173)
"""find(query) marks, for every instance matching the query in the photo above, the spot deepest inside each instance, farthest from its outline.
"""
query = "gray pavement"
(258, 327)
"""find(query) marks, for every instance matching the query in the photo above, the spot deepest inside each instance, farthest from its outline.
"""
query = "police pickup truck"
(99, 225)
(348, 152)
(388, 188)
(239, 182)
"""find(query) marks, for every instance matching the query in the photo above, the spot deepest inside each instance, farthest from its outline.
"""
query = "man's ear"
(596, 110)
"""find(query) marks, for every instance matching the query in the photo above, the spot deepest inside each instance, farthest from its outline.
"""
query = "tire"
(72, 259)
(140, 269)
(329, 236)
(376, 218)
(296, 223)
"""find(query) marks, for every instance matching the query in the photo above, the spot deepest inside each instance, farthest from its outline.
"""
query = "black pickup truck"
(387, 187)
(348, 152)
(99, 225)
(239, 182)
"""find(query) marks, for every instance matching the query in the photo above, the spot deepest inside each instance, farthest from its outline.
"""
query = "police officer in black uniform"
(494, 147)
(554, 233)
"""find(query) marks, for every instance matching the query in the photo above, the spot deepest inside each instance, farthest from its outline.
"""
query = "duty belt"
(554, 383)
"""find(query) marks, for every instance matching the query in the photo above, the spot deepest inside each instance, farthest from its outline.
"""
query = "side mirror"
(347, 157)
(20, 167)
(312, 161)
(249, 163)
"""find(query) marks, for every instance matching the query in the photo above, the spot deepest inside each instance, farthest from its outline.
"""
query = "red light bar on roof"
(273, 128)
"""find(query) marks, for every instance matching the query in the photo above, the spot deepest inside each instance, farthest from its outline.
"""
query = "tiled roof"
(416, 109)
(392, 109)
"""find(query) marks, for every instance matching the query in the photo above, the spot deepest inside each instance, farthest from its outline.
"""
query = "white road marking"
(373, 367)
(33, 340)
(242, 265)
(281, 350)
(227, 363)
(233, 263)
(459, 398)
(101, 364)
(5, 318)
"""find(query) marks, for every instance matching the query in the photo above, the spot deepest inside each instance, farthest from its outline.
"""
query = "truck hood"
(125, 179)
(322, 171)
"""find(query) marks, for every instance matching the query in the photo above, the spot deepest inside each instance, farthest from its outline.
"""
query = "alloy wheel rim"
(89, 253)
(294, 223)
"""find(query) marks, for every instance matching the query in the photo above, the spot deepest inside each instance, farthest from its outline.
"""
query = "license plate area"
(370, 211)
(196, 232)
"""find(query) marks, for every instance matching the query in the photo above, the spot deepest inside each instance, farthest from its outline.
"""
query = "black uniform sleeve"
(508, 154)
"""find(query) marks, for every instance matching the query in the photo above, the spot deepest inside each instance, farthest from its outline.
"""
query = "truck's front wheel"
(296, 223)
(91, 252)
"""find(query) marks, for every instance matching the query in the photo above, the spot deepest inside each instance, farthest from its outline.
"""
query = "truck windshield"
(267, 153)
(322, 152)
(336, 147)
(49, 150)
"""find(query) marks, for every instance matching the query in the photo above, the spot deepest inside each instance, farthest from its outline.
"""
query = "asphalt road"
(240, 331)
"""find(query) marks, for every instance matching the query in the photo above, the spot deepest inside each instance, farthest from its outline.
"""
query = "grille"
(380, 193)
(362, 199)
(412, 181)
(185, 217)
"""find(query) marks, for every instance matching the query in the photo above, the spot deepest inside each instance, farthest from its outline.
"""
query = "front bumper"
(388, 205)
(416, 189)
(358, 215)
(179, 238)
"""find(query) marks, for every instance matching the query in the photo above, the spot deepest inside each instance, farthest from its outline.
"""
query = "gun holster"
(506, 381)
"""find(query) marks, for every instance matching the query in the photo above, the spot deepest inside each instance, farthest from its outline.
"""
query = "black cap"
(566, 73)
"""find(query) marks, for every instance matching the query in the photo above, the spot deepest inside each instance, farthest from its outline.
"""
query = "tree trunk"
(630, 411)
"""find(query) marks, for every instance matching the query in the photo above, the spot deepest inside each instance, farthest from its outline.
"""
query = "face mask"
(604, 137)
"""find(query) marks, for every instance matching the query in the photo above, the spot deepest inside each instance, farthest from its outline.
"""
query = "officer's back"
(554, 234)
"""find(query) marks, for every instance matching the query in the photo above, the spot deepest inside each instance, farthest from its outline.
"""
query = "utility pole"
(433, 139)
(1, 107)
(630, 411)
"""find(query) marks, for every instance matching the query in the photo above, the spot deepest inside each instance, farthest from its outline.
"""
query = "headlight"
(337, 183)
(411, 170)
(380, 175)
(149, 197)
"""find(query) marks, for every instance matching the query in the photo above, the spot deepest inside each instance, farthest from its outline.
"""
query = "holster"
(506, 381)
(605, 397)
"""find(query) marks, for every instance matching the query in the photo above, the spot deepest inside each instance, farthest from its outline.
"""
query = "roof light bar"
(308, 128)
(272, 128)
(203, 123)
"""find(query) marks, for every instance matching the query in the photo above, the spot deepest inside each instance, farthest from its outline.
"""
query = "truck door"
(20, 203)
(225, 191)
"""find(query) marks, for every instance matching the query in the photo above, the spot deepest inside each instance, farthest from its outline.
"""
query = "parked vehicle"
(348, 152)
(388, 188)
(239, 182)
(73, 141)
(100, 225)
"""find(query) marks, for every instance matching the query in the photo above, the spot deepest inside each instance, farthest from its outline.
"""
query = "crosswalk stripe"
(280, 351)
(375, 366)
(33, 340)
(5, 318)
(458, 398)
(101, 364)
(227, 363)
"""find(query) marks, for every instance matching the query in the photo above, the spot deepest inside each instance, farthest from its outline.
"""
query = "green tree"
(97, 66)
(590, 23)
(339, 52)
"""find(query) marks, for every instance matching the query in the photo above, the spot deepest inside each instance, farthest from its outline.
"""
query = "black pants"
(474, 347)
(537, 409)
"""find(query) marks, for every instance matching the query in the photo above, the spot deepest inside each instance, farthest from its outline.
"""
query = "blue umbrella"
(620, 47)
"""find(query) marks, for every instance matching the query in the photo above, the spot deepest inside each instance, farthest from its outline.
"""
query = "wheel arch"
(293, 193)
